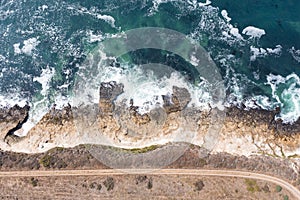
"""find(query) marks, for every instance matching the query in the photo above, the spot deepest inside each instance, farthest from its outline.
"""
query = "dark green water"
(51, 39)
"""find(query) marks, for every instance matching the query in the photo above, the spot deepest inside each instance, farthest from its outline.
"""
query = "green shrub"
(278, 188)
(49, 161)
(109, 183)
(93, 185)
(252, 185)
(142, 150)
(150, 184)
(202, 162)
(99, 187)
(46, 161)
(199, 185)
(34, 182)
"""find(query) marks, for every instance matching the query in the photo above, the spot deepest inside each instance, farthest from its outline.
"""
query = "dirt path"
(195, 172)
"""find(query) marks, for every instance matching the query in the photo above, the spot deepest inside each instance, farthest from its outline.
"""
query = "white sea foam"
(237, 82)
(286, 92)
(9, 100)
(224, 13)
(62, 101)
(194, 61)
(257, 52)
(192, 4)
(45, 79)
(94, 37)
(258, 102)
(156, 4)
(253, 32)
(146, 89)
(295, 53)
(261, 52)
(216, 27)
(28, 46)
(2, 58)
(39, 107)
(17, 49)
(44, 7)
(209, 21)
(109, 19)
(235, 32)
(277, 50)
(93, 12)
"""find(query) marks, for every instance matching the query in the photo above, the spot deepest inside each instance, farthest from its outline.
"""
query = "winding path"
(196, 172)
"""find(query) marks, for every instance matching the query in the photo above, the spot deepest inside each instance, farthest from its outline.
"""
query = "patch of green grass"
(133, 150)
(252, 185)
(46, 160)
(285, 197)
(142, 150)
(56, 149)
(202, 162)
(278, 188)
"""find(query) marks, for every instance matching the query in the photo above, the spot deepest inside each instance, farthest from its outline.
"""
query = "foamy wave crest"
(295, 53)
(8, 101)
(253, 32)
(150, 86)
(261, 52)
(286, 92)
(39, 104)
(93, 12)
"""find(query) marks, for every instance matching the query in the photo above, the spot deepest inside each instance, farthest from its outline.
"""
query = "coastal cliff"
(236, 131)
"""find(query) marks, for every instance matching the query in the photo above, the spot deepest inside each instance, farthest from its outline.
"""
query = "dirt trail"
(195, 172)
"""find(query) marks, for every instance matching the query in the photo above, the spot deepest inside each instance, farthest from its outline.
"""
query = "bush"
(46, 161)
(99, 187)
(34, 182)
(93, 185)
(278, 188)
(49, 161)
(252, 185)
(140, 179)
(150, 184)
(266, 188)
(199, 185)
(109, 183)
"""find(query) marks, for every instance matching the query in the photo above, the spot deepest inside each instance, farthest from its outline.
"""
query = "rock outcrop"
(11, 119)
(243, 132)
(108, 93)
(177, 101)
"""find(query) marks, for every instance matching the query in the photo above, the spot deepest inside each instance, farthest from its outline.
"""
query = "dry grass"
(138, 187)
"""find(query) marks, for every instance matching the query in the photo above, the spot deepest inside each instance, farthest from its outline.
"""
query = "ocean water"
(255, 45)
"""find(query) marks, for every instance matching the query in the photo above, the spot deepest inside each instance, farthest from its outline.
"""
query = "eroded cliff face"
(11, 119)
(256, 131)
(119, 124)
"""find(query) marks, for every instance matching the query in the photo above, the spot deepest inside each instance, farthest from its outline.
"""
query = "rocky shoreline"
(234, 131)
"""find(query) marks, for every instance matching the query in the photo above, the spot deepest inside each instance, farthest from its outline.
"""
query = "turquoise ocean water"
(255, 44)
